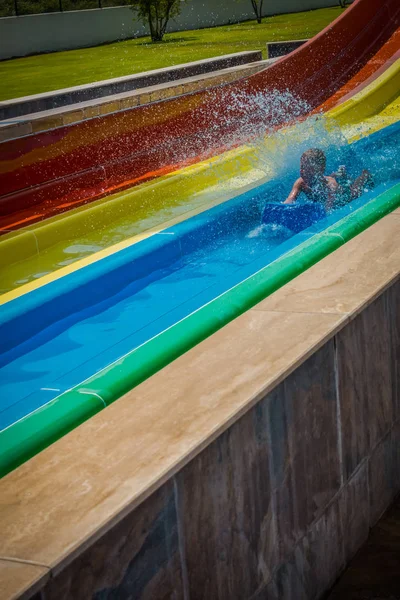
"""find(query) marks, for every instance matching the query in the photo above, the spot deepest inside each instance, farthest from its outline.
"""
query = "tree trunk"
(158, 36)
(166, 19)
(152, 32)
(158, 18)
(257, 7)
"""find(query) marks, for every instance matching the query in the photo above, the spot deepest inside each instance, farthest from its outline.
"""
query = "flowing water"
(82, 332)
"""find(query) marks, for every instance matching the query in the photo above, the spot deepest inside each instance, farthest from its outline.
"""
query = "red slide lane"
(80, 162)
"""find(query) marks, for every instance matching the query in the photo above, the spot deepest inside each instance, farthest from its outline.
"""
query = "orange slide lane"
(385, 56)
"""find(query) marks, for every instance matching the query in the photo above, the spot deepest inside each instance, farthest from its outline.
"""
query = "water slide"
(72, 347)
(85, 235)
(55, 170)
(44, 247)
(76, 344)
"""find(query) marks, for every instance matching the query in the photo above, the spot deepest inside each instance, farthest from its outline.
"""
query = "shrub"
(157, 13)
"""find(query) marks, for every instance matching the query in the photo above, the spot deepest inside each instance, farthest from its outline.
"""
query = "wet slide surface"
(54, 171)
(142, 291)
(89, 233)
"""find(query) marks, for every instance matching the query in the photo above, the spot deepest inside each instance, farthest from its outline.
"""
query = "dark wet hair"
(313, 156)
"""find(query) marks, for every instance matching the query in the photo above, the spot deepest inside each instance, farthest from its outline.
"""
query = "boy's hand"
(296, 189)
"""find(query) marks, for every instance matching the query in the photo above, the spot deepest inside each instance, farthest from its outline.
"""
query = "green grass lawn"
(45, 72)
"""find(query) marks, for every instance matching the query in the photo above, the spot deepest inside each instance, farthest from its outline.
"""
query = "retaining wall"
(279, 503)
(250, 468)
(32, 34)
(105, 90)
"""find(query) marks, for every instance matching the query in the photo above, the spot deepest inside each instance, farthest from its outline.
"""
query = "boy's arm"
(357, 187)
(333, 187)
(296, 189)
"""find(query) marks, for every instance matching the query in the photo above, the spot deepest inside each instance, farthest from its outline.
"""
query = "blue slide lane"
(59, 335)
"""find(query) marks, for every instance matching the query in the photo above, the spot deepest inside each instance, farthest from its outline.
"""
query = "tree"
(257, 7)
(343, 3)
(157, 13)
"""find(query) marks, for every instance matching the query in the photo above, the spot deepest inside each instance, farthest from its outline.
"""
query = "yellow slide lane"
(60, 245)
(375, 107)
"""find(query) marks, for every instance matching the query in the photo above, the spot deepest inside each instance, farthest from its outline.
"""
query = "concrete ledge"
(276, 49)
(274, 442)
(58, 117)
(99, 89)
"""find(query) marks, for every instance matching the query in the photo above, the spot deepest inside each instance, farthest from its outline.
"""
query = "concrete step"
(277, 49)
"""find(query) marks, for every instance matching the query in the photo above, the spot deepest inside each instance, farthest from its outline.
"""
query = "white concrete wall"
(50, 32)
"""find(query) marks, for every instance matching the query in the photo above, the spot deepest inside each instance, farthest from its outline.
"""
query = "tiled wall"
(276, 506)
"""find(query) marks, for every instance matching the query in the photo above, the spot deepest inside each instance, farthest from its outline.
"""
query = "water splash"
(271, 232)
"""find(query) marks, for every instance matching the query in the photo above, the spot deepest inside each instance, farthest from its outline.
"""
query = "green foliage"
(7, 8)
(33, 7)
(157, 13)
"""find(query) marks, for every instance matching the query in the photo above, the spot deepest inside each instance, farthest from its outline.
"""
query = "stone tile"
(313, 566)
(304, 462)
(163, 92)
(80, 484)
(144, 98)
(138, 558)
(381, 479)
(396, 456)
(311, 421)
(365, 383)
(354, 505)
(156, 96)
(38, 596)
(172, 92)
(21, 580)
(288, 584)
(393, 298)
(346, 279)
(176, 90)
(323, 555)
(227, 514)
(45, 123)
(91, 111)
(129, 102)
(16, 130)
(374, 573)
(282, 481)
(109, 107)
(195, 86)
(353, 403)
(72, 116)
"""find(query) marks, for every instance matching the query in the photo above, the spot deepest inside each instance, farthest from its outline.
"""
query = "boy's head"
(312, 163)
